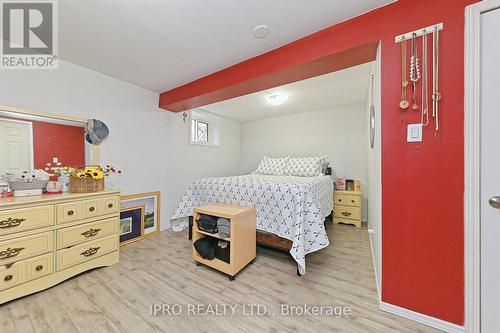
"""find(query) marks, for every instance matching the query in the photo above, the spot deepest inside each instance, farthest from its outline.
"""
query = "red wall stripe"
(422, 184)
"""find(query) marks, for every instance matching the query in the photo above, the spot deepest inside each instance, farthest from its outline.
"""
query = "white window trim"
(197, 143)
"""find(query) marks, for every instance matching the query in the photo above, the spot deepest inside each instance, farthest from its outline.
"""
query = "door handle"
(495, 202)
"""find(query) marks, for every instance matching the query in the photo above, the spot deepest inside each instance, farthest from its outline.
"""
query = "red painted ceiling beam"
(264, 72)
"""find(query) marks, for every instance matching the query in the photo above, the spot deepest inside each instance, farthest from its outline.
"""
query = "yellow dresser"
(47, 239)
(347, 207)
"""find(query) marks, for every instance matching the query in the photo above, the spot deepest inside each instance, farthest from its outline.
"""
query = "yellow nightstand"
(347, 206)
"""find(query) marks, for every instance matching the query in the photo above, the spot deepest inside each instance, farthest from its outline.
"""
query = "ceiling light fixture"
(277, 99)
(261, 31)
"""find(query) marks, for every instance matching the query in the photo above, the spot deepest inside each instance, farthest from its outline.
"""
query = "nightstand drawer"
(346, 212)
(347, 200)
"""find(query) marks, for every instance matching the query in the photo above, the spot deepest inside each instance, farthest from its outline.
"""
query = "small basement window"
(199, 131)
(204, 128)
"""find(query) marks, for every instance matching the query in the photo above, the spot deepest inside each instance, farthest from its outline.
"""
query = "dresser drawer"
(39, 266)
(347, 200)
(26, 247)
(87, 251)
(110, 205)
(346, 212)
(69, 212)
(86, 209)
(91, 208)
(27, 270)
(12, 276)
(17, 220)
(88, 231)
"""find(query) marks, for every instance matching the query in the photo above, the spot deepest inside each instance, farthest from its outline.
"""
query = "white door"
(15, 146)
(490, 172)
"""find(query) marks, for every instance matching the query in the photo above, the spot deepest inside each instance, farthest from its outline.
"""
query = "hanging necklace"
(404, 83)
(414, 70)
(436, 96)
(425, 82)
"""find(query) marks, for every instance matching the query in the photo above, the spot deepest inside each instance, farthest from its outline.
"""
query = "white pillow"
(304, 166)
(272, 166)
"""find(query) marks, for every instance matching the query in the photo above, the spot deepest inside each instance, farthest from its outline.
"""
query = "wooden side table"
(347, 206)
(242, 237)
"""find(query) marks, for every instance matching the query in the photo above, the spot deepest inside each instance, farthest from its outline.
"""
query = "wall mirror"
(372, 126)
(29, 140)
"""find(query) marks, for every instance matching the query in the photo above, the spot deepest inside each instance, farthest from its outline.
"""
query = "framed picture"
(131, 224)
(151, 202)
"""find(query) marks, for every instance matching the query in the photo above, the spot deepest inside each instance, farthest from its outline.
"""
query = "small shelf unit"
(242, 236)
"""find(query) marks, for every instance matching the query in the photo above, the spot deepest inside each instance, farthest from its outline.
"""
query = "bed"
(289, 208)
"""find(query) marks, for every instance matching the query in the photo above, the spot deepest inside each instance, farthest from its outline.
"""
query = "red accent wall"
(62, 141)
(422, 194)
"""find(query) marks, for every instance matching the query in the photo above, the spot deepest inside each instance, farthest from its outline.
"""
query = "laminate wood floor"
(160, 270)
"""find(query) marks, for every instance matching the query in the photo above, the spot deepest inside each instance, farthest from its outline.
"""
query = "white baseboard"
(412, 315)
(421, 318)
(379, 293)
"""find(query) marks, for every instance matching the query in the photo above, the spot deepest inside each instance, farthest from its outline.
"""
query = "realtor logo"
(29, 35)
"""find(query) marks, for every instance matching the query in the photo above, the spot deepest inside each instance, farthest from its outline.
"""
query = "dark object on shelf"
(222, 251)
(190, 230)
(205, 247)
(207, 223)
(349, 185)
(328, 171)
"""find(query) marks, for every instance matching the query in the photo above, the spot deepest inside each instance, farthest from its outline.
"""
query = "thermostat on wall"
(414, 133)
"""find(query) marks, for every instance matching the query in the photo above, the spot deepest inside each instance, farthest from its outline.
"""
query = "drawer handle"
(9, 253)
(353, 201)
(110, 205)
(11, 223)
(70, 212)
(90, 233)
(346, 214)
(340, 200)
(7, 278)
(91, 209)
(39, 268)
(90, 252)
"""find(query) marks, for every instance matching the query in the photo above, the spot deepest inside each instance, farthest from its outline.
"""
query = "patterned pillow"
(304, 166)
(272, 166)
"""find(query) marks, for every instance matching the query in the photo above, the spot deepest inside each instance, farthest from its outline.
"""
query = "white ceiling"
(345, 87)
(161, 44)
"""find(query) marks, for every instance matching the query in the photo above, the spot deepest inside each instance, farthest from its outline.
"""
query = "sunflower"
(97, 174)
(80, 174)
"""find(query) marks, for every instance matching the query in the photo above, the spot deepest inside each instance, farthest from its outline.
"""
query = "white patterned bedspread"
(290, 207)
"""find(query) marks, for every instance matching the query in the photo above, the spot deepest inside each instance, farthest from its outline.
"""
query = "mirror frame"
(15, 111)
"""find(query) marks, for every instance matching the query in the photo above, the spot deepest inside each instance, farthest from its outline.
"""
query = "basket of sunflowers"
(87, 179)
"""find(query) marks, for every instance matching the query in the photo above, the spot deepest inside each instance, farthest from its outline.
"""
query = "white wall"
(150, 145)
(339, 133)
(375, 175)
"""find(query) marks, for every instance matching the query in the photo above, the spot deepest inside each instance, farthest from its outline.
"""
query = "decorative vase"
(65, 183)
